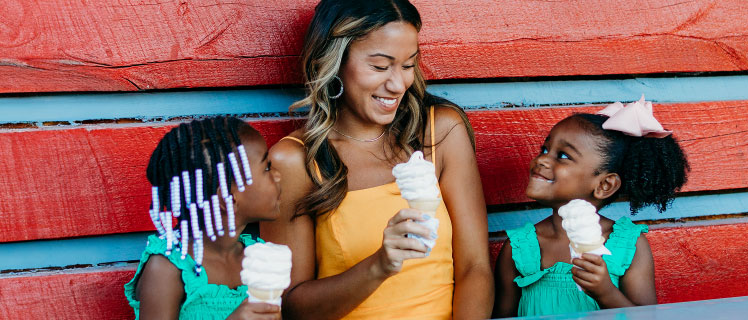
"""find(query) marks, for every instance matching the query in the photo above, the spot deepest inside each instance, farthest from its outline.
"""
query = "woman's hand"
(592, 275)
(396, 247)
(260, 311)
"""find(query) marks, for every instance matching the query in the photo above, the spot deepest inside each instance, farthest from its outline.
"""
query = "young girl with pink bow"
(620, 151)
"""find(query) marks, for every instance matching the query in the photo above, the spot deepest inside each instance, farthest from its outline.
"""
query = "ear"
(607, 185)
(233, 198)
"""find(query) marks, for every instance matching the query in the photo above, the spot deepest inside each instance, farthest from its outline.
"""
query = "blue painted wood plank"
(156, 105)
(683, 207)
(68, 252)
(727, 308)
(128, 247)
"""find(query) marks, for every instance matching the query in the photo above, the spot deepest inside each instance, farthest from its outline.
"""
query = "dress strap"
(622, 244)
(316, 167)
(525, 249)
(433, 145)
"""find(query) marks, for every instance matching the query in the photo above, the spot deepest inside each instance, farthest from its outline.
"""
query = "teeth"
(386, 101)
(544, 180)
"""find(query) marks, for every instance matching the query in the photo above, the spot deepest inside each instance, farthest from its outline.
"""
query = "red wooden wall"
(67, 182)
(112, 45)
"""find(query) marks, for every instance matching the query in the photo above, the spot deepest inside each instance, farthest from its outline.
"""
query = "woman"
(341, 213)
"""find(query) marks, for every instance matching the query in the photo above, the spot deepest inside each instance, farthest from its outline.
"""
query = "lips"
(386, 103)
(535, 174)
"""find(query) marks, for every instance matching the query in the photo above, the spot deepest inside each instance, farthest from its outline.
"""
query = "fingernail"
(425, 216)
(434, 235)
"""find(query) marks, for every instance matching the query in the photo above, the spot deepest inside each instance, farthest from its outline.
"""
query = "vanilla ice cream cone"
(581, 248)
(427, 206)
(264, 295)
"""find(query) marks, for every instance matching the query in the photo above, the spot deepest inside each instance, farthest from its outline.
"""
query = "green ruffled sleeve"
(622, 245)
(526, 254)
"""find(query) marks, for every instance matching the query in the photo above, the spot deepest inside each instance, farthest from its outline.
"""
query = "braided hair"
(186, 169)
(651, 169)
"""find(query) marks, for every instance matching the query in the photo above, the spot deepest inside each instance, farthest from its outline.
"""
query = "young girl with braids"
(213, 177)
(621, 151)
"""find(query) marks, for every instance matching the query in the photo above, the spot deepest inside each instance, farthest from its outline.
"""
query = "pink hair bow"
(635, 119)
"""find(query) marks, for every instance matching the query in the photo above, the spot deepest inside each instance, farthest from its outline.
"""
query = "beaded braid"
(195, 152)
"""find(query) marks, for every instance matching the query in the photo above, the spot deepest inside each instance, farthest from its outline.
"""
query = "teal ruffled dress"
(203, 300)
(552, 290)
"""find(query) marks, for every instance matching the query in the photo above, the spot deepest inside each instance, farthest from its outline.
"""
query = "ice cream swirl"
(581, 221)
(266, 266)
(416, 178)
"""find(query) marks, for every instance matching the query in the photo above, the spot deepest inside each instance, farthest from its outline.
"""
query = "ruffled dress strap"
(526, 254)
(196, 286)
(622, 245)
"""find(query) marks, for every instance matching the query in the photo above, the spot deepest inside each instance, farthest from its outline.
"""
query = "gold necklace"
(357, 139)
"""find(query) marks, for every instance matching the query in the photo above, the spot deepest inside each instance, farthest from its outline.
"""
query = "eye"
(269, 166)
(543, 150)
(563, 155)
(409, 66)
(380, 68)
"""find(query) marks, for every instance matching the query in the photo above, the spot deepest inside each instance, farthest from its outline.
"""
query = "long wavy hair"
(335, 25)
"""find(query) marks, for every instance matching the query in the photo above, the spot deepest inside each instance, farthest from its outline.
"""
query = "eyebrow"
(391, 57)
(567, 144)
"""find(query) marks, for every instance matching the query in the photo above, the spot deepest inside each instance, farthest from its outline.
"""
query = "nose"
(542, 160)
(396, 83)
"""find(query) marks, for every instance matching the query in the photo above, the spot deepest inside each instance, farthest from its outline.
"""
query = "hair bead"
(185, 238)
(198, 249)
(156, 219)
(154, 199)
(199, 187)
(166, 220)
(245, 163)
(237, 173)
(187, 187)
(208, 221)
(230, 214)
(193, 219)
(217, 214)
(222, 180)
(176, 202)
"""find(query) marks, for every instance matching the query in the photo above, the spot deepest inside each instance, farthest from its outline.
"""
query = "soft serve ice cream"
(417, 182)
(582, 225)
(266, 271)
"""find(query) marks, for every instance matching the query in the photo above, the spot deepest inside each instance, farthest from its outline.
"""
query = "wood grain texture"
(694, 263)
(91, 181)
(115, 45)
(93, 293)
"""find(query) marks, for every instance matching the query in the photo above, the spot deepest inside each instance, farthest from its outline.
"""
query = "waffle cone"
(427, 206)
(264, 294)
(587, 247)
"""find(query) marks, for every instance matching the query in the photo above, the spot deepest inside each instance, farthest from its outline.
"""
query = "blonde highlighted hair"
(336, 24)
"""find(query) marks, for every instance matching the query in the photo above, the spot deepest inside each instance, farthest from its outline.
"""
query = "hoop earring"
(341, 89)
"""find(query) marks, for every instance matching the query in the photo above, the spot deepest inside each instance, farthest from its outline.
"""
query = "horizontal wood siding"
(58, 45)
(91, 181)
(80, 294)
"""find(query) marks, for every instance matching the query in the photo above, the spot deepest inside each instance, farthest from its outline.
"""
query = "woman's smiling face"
(566, 167)
(378, 71)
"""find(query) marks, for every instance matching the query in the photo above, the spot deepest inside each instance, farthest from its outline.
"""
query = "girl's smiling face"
(378, 71)
(566, 167)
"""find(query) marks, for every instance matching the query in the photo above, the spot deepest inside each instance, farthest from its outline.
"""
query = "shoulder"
(288, 153)
(160, 289)
(447, 118)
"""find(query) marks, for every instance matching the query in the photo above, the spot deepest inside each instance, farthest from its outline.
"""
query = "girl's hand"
(250, 310)
(593, 276)
(396, 247)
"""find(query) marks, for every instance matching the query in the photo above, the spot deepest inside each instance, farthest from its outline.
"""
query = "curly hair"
(652, 170)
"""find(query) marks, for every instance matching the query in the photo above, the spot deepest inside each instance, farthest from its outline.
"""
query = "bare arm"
(336, 296)
(463, 194)
(507, 292)
(637, 284)
(160, 289)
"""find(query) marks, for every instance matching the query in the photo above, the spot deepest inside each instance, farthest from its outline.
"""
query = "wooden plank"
(113, 46)
(91, 293)
(694, 263)
(48, 178)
